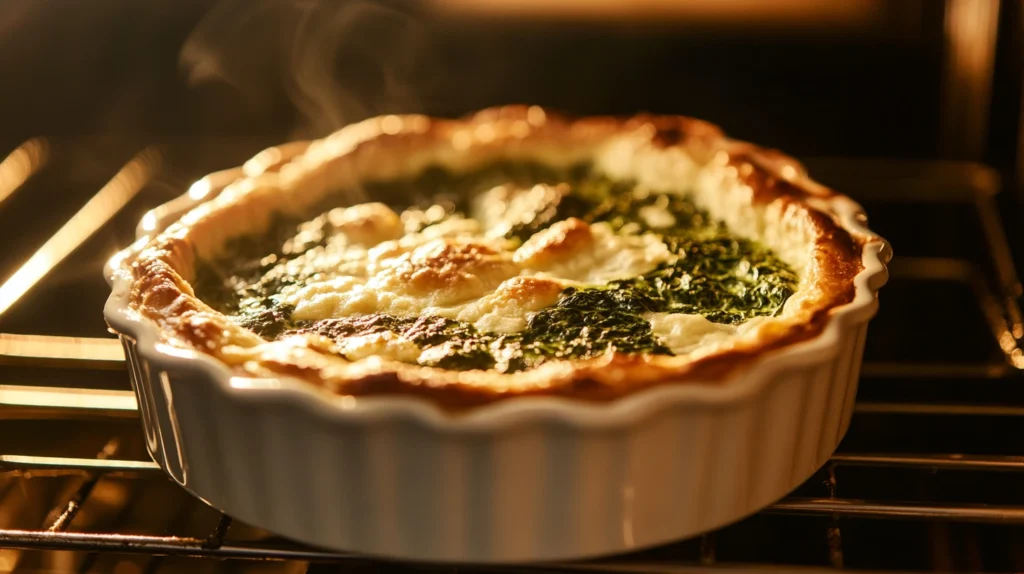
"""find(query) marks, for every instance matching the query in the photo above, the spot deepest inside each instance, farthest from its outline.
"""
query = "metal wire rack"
(78, 493)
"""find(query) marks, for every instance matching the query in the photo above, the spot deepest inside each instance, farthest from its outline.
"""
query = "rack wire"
(829, 503)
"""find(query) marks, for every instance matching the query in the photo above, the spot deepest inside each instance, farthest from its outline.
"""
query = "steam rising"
(335, 61)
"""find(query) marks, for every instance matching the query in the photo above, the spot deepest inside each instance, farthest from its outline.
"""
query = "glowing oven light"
(93, 215)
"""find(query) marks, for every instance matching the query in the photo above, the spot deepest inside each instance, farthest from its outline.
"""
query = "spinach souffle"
(514, 252)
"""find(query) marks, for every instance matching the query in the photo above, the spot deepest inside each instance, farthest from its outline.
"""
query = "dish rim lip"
(736, 388)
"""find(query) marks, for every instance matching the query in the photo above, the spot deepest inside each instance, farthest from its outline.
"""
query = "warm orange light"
(261, 162)
(1017, 358)
(149, 222)
(21, 164)
(52, 397)
(9, 559)
(391, 124)
(80, 351)
(970, 29)
(93, 215)
(200, 189)
(807, 12)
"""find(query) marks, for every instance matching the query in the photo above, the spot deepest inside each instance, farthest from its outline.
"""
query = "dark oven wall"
(168, 68)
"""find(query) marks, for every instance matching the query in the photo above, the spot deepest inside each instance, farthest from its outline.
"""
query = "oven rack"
(66, 403)
(993, 283)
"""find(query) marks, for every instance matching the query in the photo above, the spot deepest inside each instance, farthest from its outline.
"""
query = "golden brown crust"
(558, 242)
(161, 270)
(367, 223)
(453, 271)
(527, 290)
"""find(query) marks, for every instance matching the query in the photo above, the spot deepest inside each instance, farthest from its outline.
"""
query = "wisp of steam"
(336, 61)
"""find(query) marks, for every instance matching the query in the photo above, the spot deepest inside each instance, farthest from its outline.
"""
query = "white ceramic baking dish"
(524, 479)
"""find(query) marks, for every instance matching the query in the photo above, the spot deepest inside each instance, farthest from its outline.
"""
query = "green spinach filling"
(715, 274)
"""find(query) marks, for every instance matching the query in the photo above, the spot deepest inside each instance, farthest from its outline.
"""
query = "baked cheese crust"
(471, 268)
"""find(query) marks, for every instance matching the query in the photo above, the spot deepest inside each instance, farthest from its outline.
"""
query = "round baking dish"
(523, 479)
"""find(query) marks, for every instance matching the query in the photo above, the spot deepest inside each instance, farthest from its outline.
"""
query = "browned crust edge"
(161, 293)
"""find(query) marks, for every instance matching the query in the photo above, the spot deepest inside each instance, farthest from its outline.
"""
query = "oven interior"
(879, 99)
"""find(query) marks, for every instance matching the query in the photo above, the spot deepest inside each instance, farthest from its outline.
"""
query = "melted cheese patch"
(386, 344)
(508, 308)
(575, 252)
(683, 333)
(657, 217)
(501, 208)
(457, 268)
